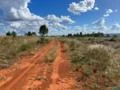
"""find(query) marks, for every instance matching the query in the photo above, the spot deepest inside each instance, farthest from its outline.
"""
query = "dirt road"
(33, 73)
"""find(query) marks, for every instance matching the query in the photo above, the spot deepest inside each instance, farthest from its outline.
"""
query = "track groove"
(55, 76)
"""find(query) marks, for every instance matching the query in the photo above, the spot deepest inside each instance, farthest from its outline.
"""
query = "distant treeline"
(43, 30)
(14, 34)
(98, 34)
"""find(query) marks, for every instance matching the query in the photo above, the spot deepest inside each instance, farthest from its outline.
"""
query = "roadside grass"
(13, 47)
(99, 63)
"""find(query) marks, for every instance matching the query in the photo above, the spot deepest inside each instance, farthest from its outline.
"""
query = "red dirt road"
(33, 73)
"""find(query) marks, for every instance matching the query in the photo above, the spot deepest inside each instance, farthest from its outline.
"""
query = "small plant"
(112, 39)
(50, 57)
(24, 47)
(2, 78)
(39, 78)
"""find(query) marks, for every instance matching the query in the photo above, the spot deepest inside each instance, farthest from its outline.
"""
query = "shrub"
(24, 47)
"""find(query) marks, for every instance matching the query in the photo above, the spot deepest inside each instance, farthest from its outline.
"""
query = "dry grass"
(100, 63)
(11, 48)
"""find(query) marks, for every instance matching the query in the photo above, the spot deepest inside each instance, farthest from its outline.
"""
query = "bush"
(97, 58)
(24, 47)
(112, 39)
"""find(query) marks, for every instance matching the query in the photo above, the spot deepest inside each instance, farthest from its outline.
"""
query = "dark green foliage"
(8, 33)
(86, 35)
(43, 30)
(70, 35)
(30, 33)
(13, 33)
(33, 33)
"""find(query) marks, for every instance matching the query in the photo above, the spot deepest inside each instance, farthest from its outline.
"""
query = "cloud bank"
(16, 16)
(81, 6)
(17, 10)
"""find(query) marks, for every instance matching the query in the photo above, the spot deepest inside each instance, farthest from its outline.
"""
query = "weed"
(39, 78)
(50, 57)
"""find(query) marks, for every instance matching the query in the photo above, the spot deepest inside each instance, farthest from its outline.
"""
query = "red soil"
(33, 73)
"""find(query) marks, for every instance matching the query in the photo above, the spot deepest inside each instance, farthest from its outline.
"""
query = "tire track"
(61, 78)
(55, 76)
(19, 79)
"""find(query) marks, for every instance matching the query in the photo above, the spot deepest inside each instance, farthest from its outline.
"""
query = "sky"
(61, 16)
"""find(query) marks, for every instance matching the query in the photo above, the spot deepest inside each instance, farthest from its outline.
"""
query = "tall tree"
(13, 33)
(43, 30)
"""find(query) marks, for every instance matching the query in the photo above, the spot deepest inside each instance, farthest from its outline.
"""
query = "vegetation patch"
(99, 63)
(39, 78)
(50, 57)
(12, 47)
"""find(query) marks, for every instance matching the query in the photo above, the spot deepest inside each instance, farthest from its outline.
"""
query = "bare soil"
(33, 73)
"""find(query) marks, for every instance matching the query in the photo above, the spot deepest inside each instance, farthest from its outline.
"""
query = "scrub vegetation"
(13, 47)
(95, 62)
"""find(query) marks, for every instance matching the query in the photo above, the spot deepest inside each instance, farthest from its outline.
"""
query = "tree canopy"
(43, 30)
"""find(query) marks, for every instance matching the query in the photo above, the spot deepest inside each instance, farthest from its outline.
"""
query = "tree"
(29, 33)
(34, 33)
(81, 34)
(13, 34)
(8, 33)
(70, 35)
(43, 30)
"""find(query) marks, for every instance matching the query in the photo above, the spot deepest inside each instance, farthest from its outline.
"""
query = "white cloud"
(81, 6)
(17, 10)
(101, 22)
(96, 8)
(116, 27)
(108, 13)
(15, 15)
(59, 22)
(57, 26)
(100, 25)
(63, 19)
(53, 18)
(67, 20)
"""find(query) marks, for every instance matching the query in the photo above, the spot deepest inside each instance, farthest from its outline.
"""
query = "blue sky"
(61, 16)
(59, 7)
